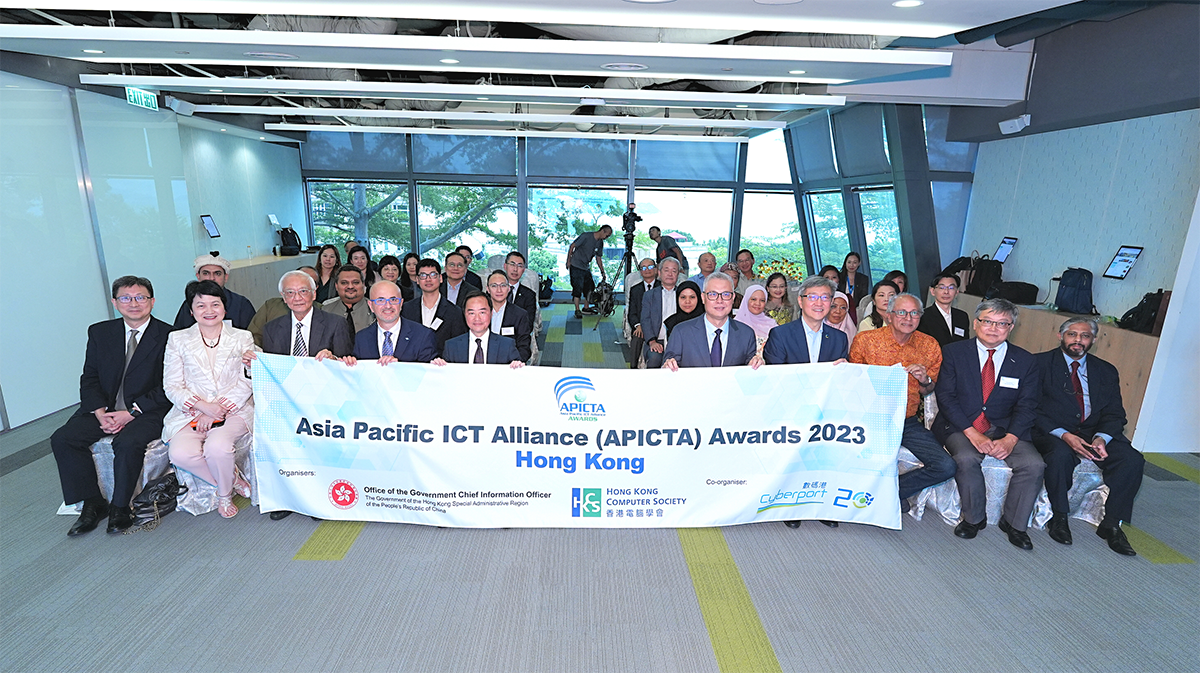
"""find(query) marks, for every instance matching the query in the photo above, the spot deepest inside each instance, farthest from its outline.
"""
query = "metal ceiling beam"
(502, 132)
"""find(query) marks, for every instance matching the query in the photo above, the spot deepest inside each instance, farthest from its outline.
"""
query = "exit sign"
(141, 98)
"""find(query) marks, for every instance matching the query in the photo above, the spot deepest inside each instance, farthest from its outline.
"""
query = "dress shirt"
(879, 347)
(498, 318)
(699, 279)
(394, 329)
(452, 291)
(471, 347)
(814, 341)
(710, 331)
(668, 309)
(428, 315)
(141, 332)
(997, 358)
(1087, 400)
(305, 329)
(946, 317)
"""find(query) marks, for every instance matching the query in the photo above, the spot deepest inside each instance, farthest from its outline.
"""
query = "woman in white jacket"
(205, 379)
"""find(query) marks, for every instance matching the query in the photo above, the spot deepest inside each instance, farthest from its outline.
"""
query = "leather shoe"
(1058, 529)
(119, 519)
(282, 514)
(792, 524)
(1116, 540)
(1018, 538)
(967, 531)
(831, 524)
(94, 511)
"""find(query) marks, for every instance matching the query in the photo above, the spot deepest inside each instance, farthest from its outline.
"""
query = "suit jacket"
(187, 376)
(474, 279)
(633, 311)
(270, 310)
(501, 350)
(651, 313)
(788, 344)
(463, 290)
(516, 318)
(527, 301)
(689, 344)
(361, 313)
(326, 331)
(414, 342)
(960, 391)
(105, 362)
(933, 324)
(239, 312)
(1057, 407)
(453, 323)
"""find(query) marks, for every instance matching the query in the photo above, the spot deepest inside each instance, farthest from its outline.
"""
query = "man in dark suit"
(1080, 414)
(658, 304)
(431, 309)
(509, 320)
(987, 394)
(120, 394)
(216, 268)
(519, 295)
(470, 276)
(633, 307)
(479, 346)
(713, 340)
(791, 343)
(945, 323)
(392, 338)
(454, 287)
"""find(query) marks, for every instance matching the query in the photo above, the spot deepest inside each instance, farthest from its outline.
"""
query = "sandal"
(240, 485)
(226, 507)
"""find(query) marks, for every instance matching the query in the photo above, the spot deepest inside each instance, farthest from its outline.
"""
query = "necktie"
(514, 293)
(129, 349)
(299, 349)
(478, 351)
(988, 375)
(387, 344)
(350, 321)
(714, 356)
(1078, 390)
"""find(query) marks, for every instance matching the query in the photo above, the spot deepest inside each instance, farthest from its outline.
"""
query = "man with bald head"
(708, 266)
(392, 338)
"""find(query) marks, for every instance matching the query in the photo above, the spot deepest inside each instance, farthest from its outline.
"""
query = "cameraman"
(589, 246)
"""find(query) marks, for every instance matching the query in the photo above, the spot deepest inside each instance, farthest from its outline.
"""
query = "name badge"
(437, 322)
(509, 331)
(958, 331)
(1009, 382)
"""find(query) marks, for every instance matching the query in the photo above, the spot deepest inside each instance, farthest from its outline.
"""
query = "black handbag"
(157, 499)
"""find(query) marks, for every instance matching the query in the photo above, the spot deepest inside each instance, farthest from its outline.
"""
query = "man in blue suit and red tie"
(987, 395)
(808, 339)
(391, 338)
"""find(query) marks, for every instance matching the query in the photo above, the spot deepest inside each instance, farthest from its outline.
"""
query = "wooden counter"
(257, 278)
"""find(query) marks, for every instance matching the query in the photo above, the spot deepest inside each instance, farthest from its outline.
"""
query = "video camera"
(630, 219)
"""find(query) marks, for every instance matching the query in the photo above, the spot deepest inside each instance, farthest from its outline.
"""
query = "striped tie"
(387, 344)
(988, 376)
(299, 350)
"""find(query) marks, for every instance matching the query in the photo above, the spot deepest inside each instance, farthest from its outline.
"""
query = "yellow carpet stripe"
(330, 541)
(1174, 466)
(734, 628)
(1150, 547)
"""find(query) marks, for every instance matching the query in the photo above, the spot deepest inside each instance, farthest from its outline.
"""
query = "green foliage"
(544, 263)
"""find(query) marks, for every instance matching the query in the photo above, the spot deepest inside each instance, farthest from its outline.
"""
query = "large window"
(882, 228)
(770, 228)
(558, 216)
(374, 211)
(766, 159)
(698, 220)
(828, 217)
(483, 218)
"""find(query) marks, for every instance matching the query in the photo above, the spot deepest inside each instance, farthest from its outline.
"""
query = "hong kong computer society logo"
(342, 494)
(571, 394)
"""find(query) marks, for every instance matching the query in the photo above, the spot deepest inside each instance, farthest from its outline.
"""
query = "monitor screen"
(1006, 246)
(1122, 262)
(210, 226)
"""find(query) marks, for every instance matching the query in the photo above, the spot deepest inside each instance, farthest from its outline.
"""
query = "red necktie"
(1078, 390)
(988, 375)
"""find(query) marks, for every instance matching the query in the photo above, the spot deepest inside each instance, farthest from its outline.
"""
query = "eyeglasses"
(945, 287)
(456, 265)
(292, 294)
(497, 286)
(519, 265)
(719, 295)
(994, 323)
(138, 298)
(647, 268)
(817, 297)
(385, 301)
(1080, 335)
(428, 274)
(907, 314)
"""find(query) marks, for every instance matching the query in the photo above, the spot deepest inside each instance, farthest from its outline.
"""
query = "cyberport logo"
(585, 502)
(571, 394)
(342, 494)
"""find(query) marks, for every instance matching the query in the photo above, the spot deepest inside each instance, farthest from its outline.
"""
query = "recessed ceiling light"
(216, 90)
(727, 69)
(905, 4)
(481, 98)
(449, 61)
(276, 55)
(93, 51)
(796, 72)
(742, 105)
(262, 137)
(624, 67)
(222, 130)
(649, 2)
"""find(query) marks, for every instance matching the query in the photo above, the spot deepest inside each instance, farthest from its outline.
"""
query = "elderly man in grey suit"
(304, 332)
(658, 304)
(713, 340)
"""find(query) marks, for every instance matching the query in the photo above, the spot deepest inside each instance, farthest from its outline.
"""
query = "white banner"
(490, 447)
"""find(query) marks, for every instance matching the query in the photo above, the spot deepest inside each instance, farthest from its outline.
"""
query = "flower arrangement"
(793, 270)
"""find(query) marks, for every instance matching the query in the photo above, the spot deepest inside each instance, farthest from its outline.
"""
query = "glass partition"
(828, 217)
(770, 228)
(698, 220)
(882, 228)
(483, 218)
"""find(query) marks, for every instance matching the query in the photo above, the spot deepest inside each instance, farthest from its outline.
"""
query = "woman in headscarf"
(839, 316)
(689, 304)
(753, 312)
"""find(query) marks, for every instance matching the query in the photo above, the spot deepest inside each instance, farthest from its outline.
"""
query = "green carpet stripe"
(556, 334)
(330, 541)
(734, 628)
(1151, 548)
(1174, 466)
(593, 352)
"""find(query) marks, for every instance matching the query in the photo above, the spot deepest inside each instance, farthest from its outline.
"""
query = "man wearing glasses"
(1080, 415)
(987, 395)
(432, 310)
(946, 324)
(519, 295)
(392, 338)
(808, 339)
(454, 288)
(216, 268)
(509, 320)
(121, 394)
(921, 356)
(633, 307)
(713, 340)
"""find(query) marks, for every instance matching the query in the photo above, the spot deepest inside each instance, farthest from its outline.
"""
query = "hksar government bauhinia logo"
(571, 394)
(342, 494)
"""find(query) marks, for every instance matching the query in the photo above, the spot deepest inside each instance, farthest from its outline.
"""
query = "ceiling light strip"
(519, 134)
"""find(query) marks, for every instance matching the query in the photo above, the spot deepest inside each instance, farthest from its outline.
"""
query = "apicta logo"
(342, 494)
(571, 393)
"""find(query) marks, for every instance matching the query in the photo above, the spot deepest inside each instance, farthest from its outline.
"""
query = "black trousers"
(77, 471)
(1122, 472)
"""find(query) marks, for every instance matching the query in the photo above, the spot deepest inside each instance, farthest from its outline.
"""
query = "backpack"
(1014, 291)
(546, 290)
(1141, 318)
(290, 242)
(986, 273)
(1075, 292)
